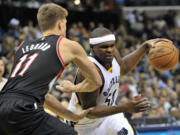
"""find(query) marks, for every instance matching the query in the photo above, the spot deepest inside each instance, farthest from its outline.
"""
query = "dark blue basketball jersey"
(37, 64)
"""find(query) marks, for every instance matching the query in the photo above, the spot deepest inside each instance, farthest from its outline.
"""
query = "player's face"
(104, 52)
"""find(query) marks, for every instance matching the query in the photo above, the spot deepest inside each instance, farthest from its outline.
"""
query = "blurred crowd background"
(133, 28)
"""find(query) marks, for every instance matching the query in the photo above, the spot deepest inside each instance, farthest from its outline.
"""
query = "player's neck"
(105, 64)
(51, 32)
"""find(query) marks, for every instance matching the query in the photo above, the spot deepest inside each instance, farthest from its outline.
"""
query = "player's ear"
(92, 50)
(59, 24)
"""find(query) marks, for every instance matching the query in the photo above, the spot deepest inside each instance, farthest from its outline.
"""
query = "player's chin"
(108, 59)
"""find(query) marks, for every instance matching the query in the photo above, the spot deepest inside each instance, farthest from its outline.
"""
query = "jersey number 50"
(110, 99)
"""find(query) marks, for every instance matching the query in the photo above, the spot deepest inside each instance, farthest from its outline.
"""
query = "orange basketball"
(164, 56)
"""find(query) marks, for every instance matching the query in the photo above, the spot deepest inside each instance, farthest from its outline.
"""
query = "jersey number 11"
(29, 60)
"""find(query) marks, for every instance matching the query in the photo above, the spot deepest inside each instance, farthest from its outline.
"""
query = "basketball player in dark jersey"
(37, 64)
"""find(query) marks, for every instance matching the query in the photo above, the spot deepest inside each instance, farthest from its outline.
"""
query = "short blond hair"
(48, 14)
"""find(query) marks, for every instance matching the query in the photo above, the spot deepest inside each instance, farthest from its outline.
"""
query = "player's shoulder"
(69, 42)
(74, 46)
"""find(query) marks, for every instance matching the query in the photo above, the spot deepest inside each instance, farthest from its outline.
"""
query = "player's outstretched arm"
(56, 107)
(129, 62)
(132, 106)
(72, 51)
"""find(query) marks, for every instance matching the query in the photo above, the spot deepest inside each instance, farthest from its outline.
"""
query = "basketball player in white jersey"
(107, 118)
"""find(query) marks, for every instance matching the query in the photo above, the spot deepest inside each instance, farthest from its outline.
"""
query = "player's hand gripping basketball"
(138, 105)
(152, 43)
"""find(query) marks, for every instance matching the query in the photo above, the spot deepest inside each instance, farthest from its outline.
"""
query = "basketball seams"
(165, 47)
(164, 56)
(161, 56)
(169, 62)
(172, 50)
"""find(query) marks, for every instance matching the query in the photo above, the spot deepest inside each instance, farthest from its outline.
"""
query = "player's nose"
(109, 49)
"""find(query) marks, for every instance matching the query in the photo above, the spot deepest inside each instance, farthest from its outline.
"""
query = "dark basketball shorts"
(20, 115)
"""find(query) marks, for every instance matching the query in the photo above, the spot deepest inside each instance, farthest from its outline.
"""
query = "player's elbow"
(98, 82)
(94, 85)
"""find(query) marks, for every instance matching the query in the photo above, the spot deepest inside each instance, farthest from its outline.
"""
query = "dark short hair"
(99, 32)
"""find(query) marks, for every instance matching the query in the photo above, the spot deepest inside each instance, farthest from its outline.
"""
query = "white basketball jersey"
(107, 96)
(111, 83)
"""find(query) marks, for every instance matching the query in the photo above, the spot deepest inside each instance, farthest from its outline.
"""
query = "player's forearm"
(92, 75)
(56, 107)
(102, 111)
(85, 86)
(87, 68)
(131, 60)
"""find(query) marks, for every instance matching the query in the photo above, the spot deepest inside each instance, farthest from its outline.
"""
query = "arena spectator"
(3, 80)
